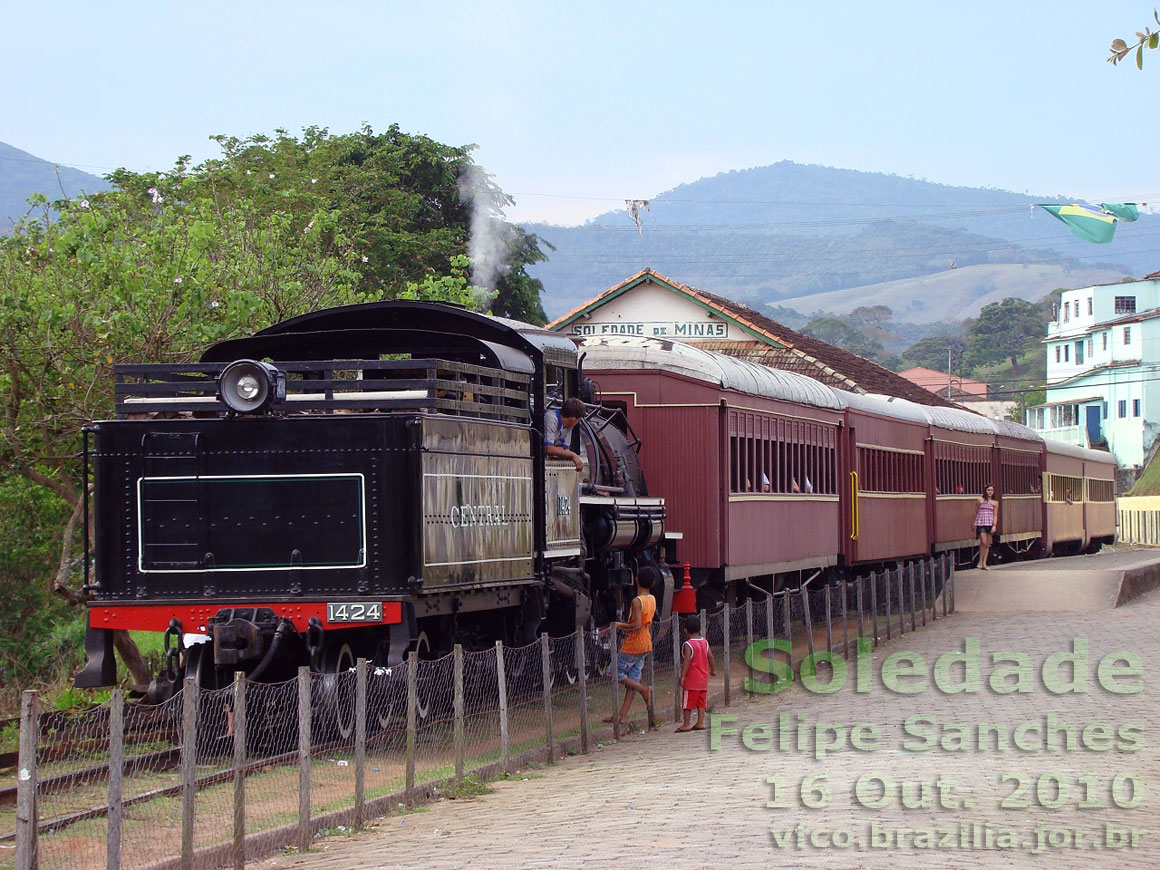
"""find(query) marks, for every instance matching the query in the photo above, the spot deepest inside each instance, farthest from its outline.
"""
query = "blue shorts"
(629, 665)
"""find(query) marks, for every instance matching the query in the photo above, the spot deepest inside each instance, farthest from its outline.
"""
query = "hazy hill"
(22, 175)
(954, 294)
(789, 231)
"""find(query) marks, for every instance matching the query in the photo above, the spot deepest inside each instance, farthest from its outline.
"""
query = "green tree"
(405, 202)
(931, 352)
(835, 331)
(1026, 400)
(134, 275)
(1003, 331)
(33, 620)
(1147, 38)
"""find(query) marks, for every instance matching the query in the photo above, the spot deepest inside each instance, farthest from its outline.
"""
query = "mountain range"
(22, 175)
(789, 236)
(815, 238)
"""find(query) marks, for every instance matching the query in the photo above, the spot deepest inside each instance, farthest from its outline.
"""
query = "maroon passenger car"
(746, 456)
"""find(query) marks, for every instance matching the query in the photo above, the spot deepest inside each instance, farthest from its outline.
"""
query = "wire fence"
(216, 778)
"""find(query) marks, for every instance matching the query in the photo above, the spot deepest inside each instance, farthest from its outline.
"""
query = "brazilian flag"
(1086, 221)
(1090, 223)
(1125, 211)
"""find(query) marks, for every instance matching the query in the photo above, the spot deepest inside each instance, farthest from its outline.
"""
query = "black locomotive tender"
(379, 487)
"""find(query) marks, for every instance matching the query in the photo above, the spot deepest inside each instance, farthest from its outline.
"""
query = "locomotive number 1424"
(354, 611)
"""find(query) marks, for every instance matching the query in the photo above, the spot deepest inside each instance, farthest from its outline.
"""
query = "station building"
(650, 305)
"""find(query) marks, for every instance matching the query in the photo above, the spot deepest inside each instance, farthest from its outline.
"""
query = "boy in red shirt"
(697, 664)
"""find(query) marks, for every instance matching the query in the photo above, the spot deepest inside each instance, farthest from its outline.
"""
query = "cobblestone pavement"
(663, 799)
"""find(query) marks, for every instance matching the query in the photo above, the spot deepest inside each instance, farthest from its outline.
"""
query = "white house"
(1103, 370)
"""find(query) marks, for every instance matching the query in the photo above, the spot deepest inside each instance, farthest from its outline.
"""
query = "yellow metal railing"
(854, 518)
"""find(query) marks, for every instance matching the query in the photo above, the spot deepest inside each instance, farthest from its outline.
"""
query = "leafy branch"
(1147, 39)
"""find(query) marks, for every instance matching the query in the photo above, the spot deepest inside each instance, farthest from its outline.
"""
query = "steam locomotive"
(361, 481)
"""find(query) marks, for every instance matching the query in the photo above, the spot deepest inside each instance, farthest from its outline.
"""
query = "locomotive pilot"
(558, 426)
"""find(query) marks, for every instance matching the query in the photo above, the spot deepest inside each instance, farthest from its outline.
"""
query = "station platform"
(1102, 581)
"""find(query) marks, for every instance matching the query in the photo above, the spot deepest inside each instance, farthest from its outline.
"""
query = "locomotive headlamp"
(249, 387)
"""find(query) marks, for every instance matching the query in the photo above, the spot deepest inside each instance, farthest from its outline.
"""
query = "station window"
(1105, 337)
(1127, 335)
(1067, 353)
(1135, 407)
(773, 454)
(1123, 408)
(1089, 305)
(1057, 353)
(1125, 305)
(1077, 308)
(1066, 312)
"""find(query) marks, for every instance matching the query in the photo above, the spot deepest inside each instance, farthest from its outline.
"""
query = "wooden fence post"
(459, 731)
(770, 630)
(922, 587)
(845, 586)
(116, 778)
(190, 701)
(582, 671)
(238, 851)
(727, 653)
(933, 590)
(874, 603)
(889, 602)
(748, 628)
(946, 575)
(650, 681)
(613, 670)
(305, 832)
(861, 619)
(546, 664)
(505, 750)
(27, 845)
(412, 723)
(952, 585)
(829, 619)
(787, 621)
(360, 743)
(913, 600)
(807, 619)
(901, 603)
(677, 662)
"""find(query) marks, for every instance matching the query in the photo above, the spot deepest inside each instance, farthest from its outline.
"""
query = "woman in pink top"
(986, 519)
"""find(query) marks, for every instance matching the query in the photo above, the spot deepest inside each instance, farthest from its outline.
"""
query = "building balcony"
(1075, 435)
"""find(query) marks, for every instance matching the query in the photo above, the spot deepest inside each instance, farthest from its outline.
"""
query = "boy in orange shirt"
(637, 644)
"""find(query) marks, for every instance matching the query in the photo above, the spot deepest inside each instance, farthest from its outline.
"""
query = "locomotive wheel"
(336, 699)
(423, 688)
(386, 706)
(565, 673)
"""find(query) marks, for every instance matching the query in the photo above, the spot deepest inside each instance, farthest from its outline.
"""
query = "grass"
(1148, 482)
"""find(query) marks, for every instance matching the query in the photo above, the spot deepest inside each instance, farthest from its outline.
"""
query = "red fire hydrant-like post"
(685, 598)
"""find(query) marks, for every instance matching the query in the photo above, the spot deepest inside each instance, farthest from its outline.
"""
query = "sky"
(576, 107)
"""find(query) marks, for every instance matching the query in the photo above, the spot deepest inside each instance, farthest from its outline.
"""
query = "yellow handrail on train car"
(854, 518)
